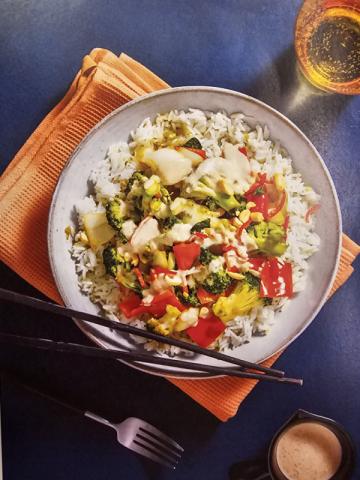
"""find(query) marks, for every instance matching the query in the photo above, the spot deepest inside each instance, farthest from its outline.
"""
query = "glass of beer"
(327, 44)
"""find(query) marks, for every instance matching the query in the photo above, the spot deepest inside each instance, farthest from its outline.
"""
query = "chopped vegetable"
(186, 254)
(193, 142)
(188, 298)
(195, 155)
(160, 259)
(169, 222)
(200, 226)
(252, 281)
(310, 212)
(140, 277)
(206, 297)
(276, 279)
(112, 260)
(207, 330)
(206, 256)
(97, 229)
(240, 302)
(157, 307)
(128, 280)
(115, 214)
(217, 282)
(164, 325)
(269, 237)
(206, 189)
(243, 150)
(146, 231)
(129, 303)
(163, 160)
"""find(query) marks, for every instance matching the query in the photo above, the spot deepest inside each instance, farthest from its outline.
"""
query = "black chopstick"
(138, 358)
(124, 328)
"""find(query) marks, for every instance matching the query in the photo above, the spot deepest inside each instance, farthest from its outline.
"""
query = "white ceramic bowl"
(73, 186)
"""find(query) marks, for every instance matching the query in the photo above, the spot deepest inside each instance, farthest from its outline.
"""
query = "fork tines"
(152, 443)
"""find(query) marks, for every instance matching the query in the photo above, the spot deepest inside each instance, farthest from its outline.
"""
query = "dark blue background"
(245, 45)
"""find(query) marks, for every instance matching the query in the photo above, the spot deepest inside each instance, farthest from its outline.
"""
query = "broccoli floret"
(207, 188)
(136, 176)
(235, 212)
(206, 256)
(129, 280)
(211, 204)
(200, 225)
(251, 280)
(269, 237)
(114, 214)
(188, 299)
(169, 222)
(112, 260)
(164, 325)
(217, 282)
(193, 143)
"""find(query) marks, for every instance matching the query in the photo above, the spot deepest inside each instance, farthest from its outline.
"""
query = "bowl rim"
(149, 97)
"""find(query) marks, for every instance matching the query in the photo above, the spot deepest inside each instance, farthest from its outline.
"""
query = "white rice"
(212, 129)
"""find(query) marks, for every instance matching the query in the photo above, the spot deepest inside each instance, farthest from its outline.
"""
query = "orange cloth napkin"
(104, 83)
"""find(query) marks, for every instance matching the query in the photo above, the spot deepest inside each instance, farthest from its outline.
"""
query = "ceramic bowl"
(73, 185)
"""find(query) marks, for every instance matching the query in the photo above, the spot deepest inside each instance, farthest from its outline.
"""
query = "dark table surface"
(244, 45)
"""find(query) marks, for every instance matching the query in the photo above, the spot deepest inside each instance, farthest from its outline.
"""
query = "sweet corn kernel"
(257, 217)
(244, 215)
(236, 222)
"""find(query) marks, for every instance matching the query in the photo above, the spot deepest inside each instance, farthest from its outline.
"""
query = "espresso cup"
(306, 447)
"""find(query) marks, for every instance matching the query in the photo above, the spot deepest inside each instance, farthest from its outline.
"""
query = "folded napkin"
(104, 83)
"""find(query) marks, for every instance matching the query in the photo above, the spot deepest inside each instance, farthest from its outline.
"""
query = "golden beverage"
(327, 43)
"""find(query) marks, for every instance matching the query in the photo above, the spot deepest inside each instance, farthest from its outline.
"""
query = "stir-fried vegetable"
(178, 235)
(244, 298)
(217, 282)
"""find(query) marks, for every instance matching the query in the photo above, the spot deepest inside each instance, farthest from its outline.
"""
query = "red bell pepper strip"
(286, 223)
(243, 150)
(186, 254)
(228, 248)
(279, 207)
(129, 303)
(276, 279)
(206, 297)
(310, 211)
(261, 203)
(140, 277)
(260, 182)
(201, 235)
(199, 151)
(206, 331)
(241, 228)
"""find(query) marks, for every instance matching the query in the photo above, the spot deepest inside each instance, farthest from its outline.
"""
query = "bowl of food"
(201, 214)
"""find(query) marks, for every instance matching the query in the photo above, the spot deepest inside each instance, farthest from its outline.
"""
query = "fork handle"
(99, 419)
(42, 394)
(17, 381)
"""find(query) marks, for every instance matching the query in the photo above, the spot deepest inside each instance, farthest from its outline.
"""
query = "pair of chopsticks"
(259, 372)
